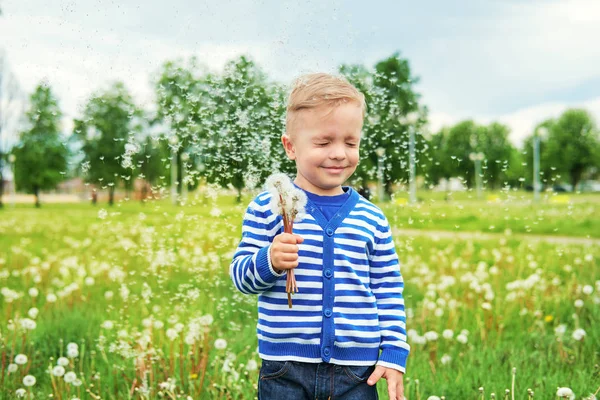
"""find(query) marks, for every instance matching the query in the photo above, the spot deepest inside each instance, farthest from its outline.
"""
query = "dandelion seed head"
(20, 392)
(62, 361)
(29, 380)
(70, 377)
(220, 344)
(21, 359)
(59, 370)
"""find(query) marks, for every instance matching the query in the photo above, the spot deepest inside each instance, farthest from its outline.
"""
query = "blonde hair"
(314, 90)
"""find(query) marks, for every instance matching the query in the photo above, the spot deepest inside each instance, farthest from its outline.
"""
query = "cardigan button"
(326, 351)
(328, 312)
(328, 273)
(329, 232)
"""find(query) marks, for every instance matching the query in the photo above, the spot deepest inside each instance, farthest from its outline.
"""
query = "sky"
(518, 62)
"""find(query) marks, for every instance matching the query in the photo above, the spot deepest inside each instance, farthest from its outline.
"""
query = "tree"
(573, 144)
(548, 172)
(244, 123)
(41, 157)
(108, 131)
(149, 163)
(9, 110)
(390, 98)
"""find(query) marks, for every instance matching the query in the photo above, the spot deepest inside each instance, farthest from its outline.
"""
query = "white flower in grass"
(89, 281)
(433, 398)
(578, 303)
(28, 324)
(77, 382)
(172, 334)
(72, 352)
(578, 334)
(589, 258)
(21, 359)
(59, 370)
(20, 392)
(446, 359)
(158, 324)
(51, 298)
(565, 393)
(252, 365)
(179, 327)
(462, 338)
(486, 306)
(206, 320)
(29, 380)
(108, 324)
(33, 312)
(588, 289)
(220, 344)
(448, 334)
(108, 294)
(72, 345)
(63, 361)
(12, 368)
(419, 340)
(431, 336)
(560, 330)
(33, 292)
(70, 377)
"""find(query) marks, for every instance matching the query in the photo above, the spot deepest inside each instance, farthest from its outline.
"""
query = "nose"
(337, 152)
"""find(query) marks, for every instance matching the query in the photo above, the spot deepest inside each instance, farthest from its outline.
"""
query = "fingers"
(284, 251)
(376, 375)
(400, 390)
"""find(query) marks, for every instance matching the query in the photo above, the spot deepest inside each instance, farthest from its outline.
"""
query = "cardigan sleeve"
(251, 270)
(387, 285)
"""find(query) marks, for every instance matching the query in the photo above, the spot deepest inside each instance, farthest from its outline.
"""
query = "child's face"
(325, 147)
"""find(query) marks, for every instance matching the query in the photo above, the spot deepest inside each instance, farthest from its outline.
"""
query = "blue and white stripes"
(349, 305)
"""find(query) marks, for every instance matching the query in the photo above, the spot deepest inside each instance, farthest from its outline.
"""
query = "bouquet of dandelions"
(289, 202)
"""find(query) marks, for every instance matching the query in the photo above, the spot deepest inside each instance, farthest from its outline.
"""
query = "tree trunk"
(144, 193)
(36, 192)
(238, 199)
(94, 197)
(111, 195)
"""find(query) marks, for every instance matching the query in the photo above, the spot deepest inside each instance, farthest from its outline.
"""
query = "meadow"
(135, 301)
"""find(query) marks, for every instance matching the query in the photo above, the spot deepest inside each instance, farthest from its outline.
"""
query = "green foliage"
(390, 97)
(573, 144)
(110, 121)
(40, 157)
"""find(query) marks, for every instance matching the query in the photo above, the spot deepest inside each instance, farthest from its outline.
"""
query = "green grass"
(173, 262)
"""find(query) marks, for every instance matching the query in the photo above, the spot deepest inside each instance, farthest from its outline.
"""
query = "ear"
(290, 150)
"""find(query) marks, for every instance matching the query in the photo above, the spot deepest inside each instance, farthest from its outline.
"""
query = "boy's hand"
(284, 251)
(394, 381)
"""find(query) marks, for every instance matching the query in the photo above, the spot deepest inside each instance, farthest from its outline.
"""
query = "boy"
(347, 328)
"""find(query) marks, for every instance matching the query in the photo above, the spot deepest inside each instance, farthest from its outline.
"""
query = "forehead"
(347, 117)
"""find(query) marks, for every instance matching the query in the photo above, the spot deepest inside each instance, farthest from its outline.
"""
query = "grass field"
(144, 294)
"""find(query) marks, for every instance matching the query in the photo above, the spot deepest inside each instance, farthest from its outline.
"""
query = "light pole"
(184, 159)
(174, 142)
(411, 120)
(381, 190)
(542, 131)
(476, 158)
(11, 159)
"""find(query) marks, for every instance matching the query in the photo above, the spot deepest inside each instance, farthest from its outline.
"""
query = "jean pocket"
(359, 374)
(273, 369)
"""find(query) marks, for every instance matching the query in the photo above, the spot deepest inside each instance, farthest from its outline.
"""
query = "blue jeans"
(291, 380)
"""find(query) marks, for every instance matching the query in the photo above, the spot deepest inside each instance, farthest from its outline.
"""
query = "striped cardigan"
(349, 309)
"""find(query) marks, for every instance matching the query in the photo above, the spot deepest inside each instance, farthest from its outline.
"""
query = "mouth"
(334, 169)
